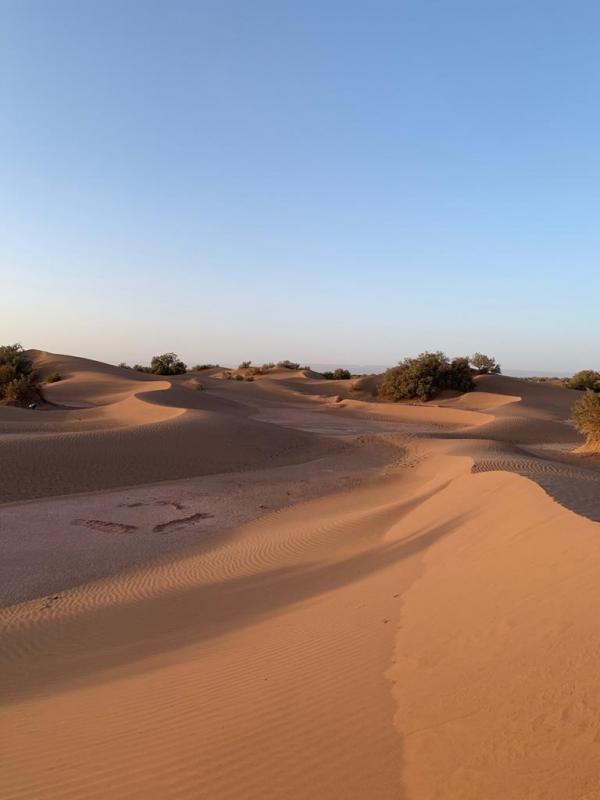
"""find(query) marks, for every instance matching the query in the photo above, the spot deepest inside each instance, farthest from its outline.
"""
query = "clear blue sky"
(322, 181)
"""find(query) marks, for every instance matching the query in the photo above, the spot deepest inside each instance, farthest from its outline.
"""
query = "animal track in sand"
(163, 527)
(103, 526)
(172, 503)
(50, 600)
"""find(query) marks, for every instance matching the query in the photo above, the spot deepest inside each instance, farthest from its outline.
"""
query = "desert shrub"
(239, 377)
(267, 366)
(123, 365)
(586, 415)
(167, 364)
(19, 384)
(141, 368)
(200, 367)
(249, 378)
(485, 364)
(287, 364)
(425, 376)
(244, 365)
(586, 379)
(53, 377)
(338, 375)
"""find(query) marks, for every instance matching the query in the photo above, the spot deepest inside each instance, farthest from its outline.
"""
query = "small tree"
(586, 415)
(586, 379)
(244, 364)
(485, 364)
(167, 364)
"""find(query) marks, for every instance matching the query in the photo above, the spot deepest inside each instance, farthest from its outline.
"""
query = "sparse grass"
(287, 364)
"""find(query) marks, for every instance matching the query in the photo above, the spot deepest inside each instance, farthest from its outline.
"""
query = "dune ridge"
(312, 595)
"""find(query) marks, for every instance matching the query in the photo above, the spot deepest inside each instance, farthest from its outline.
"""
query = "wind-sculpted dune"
(286, 588)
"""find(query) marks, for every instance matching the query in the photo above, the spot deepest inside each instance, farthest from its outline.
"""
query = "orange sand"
(283, 589)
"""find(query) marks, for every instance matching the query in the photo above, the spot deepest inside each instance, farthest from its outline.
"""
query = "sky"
(331, 182)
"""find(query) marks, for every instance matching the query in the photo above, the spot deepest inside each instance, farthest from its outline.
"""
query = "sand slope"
(335, 598)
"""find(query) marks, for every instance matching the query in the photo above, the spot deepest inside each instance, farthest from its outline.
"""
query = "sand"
(285, 589)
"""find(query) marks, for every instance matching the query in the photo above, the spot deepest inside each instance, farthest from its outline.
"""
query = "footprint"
(176, 523)
(101, 525)
(172, 503)
(50, 601)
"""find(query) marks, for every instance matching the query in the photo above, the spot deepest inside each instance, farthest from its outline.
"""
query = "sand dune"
(287, 589)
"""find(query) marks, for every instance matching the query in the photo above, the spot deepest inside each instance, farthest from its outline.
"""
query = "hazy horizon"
(329, 183)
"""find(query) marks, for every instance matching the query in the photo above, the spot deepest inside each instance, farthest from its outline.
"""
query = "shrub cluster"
(587, 415)
(586, 379)
(287, 364)
(201, 367)
(19, 383)
(53, 377)
(425, 376)
(164, 364)
(338, 375)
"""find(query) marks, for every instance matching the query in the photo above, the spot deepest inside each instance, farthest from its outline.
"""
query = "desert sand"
(286, 589)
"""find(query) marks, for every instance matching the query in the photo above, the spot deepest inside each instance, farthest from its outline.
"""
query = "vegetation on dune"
(19, 382)
(201, 367)
(167, 364)
(53, 377)
(424, 377)
(586, 415)
(267, 366)
(244, 365)
(338, 375)
(287, 364)
(485, 364)
(585, 379)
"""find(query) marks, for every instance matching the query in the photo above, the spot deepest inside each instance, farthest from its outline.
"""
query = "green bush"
(485, 364)
(19, 383)
(123, 365)
(586, 379)
(287, 364)
(586, 415)
(244, 365)
(167, 364)
(267, 366)
(239, 377)
(425, 376)
(201, 367)
(338, 375)
(53, 377)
